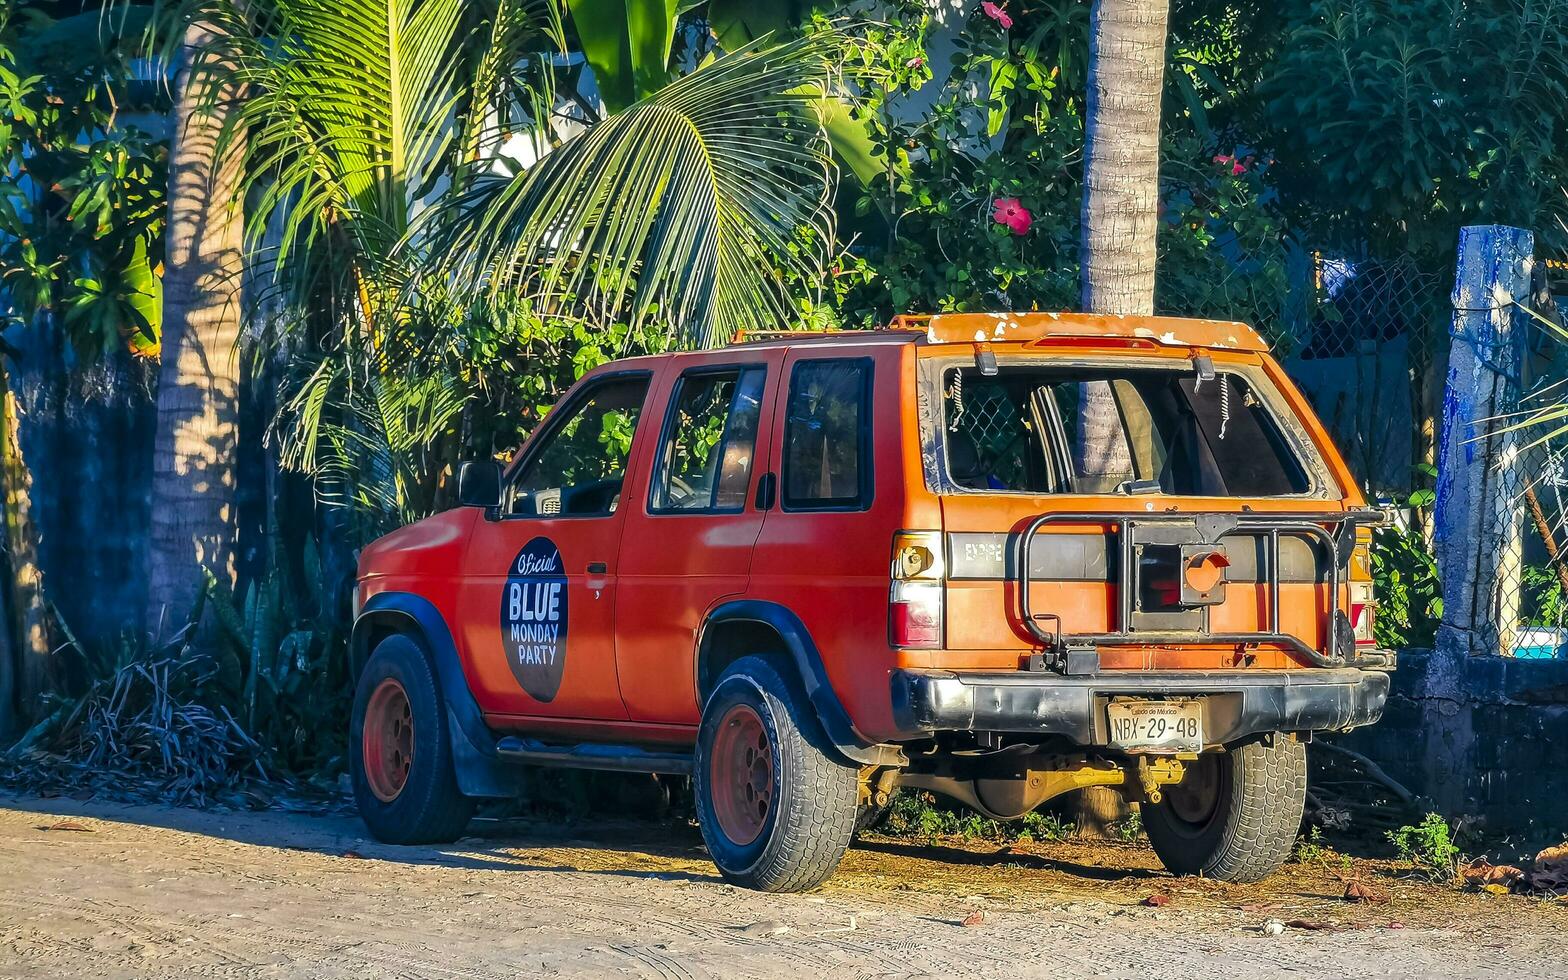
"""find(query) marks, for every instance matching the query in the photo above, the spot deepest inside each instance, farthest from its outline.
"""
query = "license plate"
(1161, 727)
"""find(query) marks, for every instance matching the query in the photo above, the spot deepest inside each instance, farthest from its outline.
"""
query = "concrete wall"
(1485, 738)
(86, 434)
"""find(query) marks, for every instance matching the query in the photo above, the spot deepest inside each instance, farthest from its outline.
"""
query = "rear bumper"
(1236, 703)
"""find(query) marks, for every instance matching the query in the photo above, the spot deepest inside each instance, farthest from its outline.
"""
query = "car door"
(538, 591)
(693, 529)
(824, 550)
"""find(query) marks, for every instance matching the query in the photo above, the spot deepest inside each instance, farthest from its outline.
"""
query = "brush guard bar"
(1062, 649)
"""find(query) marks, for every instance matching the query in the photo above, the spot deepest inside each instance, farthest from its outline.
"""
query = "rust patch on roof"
(1001, 328)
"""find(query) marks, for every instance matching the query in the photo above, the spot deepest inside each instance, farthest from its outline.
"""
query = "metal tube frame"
(1272, 527)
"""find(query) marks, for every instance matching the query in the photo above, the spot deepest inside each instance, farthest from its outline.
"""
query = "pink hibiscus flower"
(997, 14)
(1007, 211)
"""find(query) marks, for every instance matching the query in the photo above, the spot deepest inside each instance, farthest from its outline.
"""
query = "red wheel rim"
(388, 742)
(741, 775)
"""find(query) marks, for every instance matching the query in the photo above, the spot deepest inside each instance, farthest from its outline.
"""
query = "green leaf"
(627, 43)
(853, 146)
(349, 122)
(738, 23)
(1003, 74)
(144, 301)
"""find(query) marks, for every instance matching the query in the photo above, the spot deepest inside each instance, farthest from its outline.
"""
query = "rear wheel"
(775, 802)
(1235, 815)
(400, 763)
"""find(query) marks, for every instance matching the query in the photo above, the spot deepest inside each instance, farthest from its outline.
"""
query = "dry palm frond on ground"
(140, 732)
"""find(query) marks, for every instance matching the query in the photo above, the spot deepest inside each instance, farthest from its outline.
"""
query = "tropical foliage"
(989, 178)
(81, 191)
(397, 237)
(1405, 120)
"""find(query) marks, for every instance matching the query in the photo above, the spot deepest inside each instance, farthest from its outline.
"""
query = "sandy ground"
(92, 889)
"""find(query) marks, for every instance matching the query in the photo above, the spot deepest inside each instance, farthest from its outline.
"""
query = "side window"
(827, 436)
(578, 469)
(706, 451)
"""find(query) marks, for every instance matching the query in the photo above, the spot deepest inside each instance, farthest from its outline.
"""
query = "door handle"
(767, 489)
(598, 568)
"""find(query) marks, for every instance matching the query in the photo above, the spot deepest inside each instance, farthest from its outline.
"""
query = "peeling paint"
(1023, 327)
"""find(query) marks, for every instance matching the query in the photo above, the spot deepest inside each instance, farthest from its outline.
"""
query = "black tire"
(809, 817)
(1236, 814)
(426, 807)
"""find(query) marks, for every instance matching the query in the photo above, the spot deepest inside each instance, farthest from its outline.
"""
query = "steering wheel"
(680, 491)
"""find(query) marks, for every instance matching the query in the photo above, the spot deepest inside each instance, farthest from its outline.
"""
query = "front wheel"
(400, 764)
(775, 802)
(1235, 815)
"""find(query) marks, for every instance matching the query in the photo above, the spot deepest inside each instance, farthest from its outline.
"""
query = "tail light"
(915, 594)
(1363, 604)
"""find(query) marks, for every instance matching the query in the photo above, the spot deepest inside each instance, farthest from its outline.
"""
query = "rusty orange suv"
(997, 557)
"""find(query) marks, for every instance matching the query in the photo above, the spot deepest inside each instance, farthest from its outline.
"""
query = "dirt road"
(103, 890)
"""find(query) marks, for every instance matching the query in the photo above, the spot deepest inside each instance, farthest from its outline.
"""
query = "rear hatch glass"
(1063, 429)
(1020, 441)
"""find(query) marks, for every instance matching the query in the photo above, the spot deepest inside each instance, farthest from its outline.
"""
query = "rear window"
(827, 459)
(1105, 430)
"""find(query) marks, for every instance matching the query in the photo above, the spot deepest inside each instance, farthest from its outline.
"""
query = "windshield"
(1097, 430)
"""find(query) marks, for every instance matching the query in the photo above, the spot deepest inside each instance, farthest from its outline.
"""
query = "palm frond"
(698, 208)
(347, 111)
(363, 439)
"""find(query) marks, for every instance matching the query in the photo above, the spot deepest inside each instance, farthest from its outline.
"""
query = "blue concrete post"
(1471, 517)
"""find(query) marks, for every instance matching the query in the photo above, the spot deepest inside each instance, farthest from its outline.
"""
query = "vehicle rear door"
(1085, 446)
(537, 597)
(692, 524)
(824, 552)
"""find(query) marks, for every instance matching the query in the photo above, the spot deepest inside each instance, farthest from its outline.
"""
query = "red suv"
(998, 557)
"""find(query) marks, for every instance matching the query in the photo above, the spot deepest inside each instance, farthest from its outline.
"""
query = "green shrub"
(1404, 577)
(1041, 826)
(1130, 829)
(1429, 845)
(921, 814)
(1310, 848)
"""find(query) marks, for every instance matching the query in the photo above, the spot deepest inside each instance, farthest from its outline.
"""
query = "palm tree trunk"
(193, 485)
(1122, 155)
(24, 630)
(1120, 219)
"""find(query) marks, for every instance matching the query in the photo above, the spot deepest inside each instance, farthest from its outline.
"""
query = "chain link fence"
(1528, 599)
(1367, 342)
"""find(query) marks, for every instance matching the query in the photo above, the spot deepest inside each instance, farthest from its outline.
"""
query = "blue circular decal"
(533, 618)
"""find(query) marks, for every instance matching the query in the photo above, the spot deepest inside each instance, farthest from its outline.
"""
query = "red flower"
(915, 62)
(997, 14)
(1237, 165)
(1007, 211)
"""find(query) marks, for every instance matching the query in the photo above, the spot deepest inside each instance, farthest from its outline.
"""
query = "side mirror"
(479, 483)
